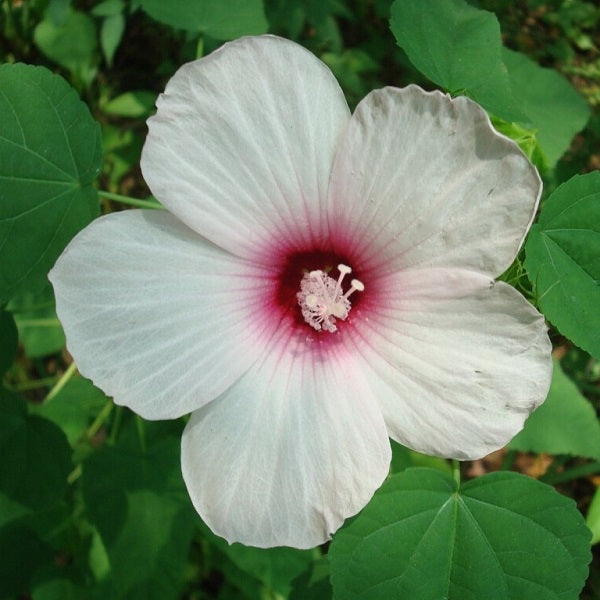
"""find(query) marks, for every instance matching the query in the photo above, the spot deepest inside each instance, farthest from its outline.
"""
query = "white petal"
(242, 145)
(424, 180)
(157, 317)
(291, 450)
(457, 361)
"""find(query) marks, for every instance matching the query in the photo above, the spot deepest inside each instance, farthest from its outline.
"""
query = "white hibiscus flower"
(232, 305)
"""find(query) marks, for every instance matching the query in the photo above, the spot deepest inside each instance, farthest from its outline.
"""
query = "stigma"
(322, 299)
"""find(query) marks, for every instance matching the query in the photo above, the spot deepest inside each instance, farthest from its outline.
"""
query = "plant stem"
(43, 322)
(200, 47)
(589, 387)
(92, 430)
(141, 429)
(456, 471)
(131, 201)
(32, 385)
(17, 310)
(116, 425)
(574, 473)
(508, 460)
(60, 384)
(74, 475)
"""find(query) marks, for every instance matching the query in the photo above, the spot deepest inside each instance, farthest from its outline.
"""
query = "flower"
(236, 304)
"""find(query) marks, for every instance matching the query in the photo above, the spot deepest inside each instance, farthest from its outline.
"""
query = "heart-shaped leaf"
(502, 536)
(50, 153)
(565, 423)
(563, 260)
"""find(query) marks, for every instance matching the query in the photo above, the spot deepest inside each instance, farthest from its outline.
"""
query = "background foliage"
(92, 504)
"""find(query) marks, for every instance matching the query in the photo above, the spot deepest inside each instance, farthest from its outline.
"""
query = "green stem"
(456, 471)
(589, 387)
(508, 460)
(131, 201)
(574, 473)
(141, 429)
(74, 475)
(10, 19)
(29, 309)
(60, 384)
(32, 385)
(116, 425)
(48, 322)
(200, 47)
(92, 430)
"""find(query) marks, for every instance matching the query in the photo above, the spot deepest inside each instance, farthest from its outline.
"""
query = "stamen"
(355, 286)
(344, 270)
(321, 300)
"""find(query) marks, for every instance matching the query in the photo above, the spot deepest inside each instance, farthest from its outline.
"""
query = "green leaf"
(274, 567)
(36, 457)
(563, 260)
(149, 553)
(593, 517)
(8, 341)
(10, 510)
(108, 8)
(565, 424)
(314, 583)
(39, 329)
(218, 19)
(458, 47)
(139, 505)
(502, 536)
(50, 153)
(58, 11)
(59, 589)
(131, 104)
(72, 44)
(551, 104)
(23, 554)
(110, 35)
(237, 584)
(525, 138)
(73, 407)
(403, 458)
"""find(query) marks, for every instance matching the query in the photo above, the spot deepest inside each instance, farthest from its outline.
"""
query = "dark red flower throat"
(298, 265)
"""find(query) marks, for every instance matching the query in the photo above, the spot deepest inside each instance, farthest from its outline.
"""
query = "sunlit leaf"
(458, 47)
(553, 107)
(593, 517)
(111, 33)
(50, 153)
(131, 104)
(71, 44)
(502, 536)
(565, 423)
(563, 260)
(108, 8)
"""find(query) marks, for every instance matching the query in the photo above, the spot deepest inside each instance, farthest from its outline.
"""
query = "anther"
(344, 270)
(355, 286)
(321, 300)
